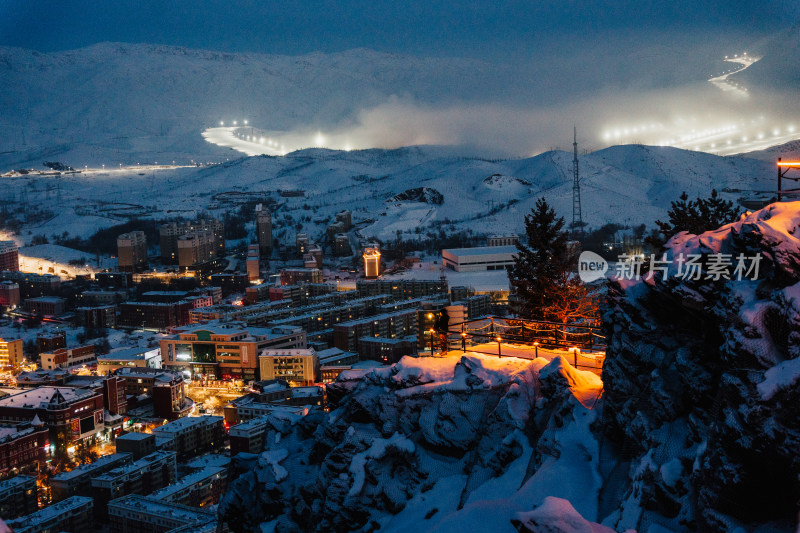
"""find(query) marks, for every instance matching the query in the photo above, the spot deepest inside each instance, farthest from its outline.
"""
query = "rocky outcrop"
(420, 194)
(427, 438)
(702, 380)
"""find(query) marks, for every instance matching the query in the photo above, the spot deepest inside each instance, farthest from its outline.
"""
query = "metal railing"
(584, 342)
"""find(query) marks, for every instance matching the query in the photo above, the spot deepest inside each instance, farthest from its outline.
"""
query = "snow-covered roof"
(99, 463)
(48, 513)
(186, 482)
(186, 422)
(152, 507)
(33, 398)
(483, 250)
(135, 436)
(119, 354)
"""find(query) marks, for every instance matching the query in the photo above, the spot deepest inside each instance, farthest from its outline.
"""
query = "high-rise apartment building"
(9, 256)
(170, 232)
(132, 251)
(264, 230)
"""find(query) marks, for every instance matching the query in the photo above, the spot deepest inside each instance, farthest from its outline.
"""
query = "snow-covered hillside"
(623, 184)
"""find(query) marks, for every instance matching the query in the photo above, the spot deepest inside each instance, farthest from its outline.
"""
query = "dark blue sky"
(431, 27)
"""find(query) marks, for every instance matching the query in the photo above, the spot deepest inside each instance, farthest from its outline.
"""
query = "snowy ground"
(624, 184)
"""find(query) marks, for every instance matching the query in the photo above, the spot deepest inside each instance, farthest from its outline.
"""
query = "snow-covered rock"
(426, 443)
(701, 382)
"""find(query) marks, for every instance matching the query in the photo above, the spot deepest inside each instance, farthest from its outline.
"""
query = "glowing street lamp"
(499, 340)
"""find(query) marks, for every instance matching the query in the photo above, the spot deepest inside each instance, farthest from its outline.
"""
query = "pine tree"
(695, 216)
(544, 276)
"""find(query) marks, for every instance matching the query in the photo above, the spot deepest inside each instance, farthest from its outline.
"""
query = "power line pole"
(577, 219)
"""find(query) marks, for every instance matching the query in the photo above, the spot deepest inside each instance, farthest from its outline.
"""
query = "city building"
(213, 245)
(191, 436)
(247, 407)
(139, 514)
(33, 285)
(301, 243)
(71, 414)
(298, 367)
(138, 444)
(386, 351)
(140, 380)
(480, 258)
(23, 446)
(68, 358)
(115, 400)
(166, 388)
(196, 247)
(293, 276)
(78, 481)
(313, 257)
(11, 354)
(72, 514)
(402, 288)
(372, 262)
(225, 350)
(253, 262)
(18, 497)
(9, 256)
(341, 245)
(200, 488)
(9, 294)
(336, 357)
(46, 305)
(114, 280)
(50, 341)
(128, 357)
(103, 316)
(273, 396)
(230, 283)
(159, 316)
(346, 335)
(502, 240)
(132, 251)
(331, 372)
(258, 293)
(264, 230)
(345, 218)
(150, 473)
(95, 297)
(249, 436)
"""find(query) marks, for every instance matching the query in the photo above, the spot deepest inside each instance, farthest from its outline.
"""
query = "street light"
(536, 345)
(431, 330)
(499, 340)
(575, 351)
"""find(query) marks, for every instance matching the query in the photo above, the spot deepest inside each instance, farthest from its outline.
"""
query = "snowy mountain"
(412, 190)
(126, 103)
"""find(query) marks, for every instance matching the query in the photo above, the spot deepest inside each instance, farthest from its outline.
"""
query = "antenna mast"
(577, 219)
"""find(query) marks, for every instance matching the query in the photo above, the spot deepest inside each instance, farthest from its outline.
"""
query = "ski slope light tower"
(577, 219)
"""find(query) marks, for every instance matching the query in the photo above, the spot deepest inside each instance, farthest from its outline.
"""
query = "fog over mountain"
(512, 85)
